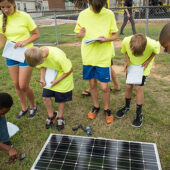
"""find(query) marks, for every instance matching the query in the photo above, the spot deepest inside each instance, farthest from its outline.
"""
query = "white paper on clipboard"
(16, 54)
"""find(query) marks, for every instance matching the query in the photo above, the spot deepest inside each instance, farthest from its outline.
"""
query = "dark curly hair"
(6, 100)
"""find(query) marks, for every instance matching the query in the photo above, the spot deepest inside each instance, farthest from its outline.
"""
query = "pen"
(79, 25)
(38, 81)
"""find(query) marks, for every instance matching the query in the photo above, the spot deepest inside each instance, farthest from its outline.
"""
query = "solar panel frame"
(119, 142)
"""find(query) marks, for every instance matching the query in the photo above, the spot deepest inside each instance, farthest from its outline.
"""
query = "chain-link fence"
(58, 26)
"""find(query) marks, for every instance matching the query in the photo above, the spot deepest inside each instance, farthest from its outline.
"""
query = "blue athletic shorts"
(59, 97)
(99, 73)
(11, 63)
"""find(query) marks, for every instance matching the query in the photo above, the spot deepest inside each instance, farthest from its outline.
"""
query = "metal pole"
(56, 26)
(147, 17)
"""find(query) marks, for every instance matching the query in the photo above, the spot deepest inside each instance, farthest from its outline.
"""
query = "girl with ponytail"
(18, 26)
(97, 22)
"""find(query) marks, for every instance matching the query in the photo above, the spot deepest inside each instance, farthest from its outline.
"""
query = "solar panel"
(67, 152)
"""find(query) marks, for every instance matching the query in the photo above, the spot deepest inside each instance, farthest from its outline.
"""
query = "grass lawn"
(48, 34)
(156, 124)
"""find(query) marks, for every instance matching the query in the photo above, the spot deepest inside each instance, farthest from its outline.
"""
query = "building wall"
(56, 4)
(45, 5)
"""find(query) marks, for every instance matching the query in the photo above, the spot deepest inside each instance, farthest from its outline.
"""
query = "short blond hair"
(33, 56)
(138, 44)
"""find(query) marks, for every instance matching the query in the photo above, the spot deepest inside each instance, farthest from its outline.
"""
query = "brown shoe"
(109, 116)
(93, 113)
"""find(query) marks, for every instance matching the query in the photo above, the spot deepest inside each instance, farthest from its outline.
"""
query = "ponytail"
(4, 23)
(97, 5)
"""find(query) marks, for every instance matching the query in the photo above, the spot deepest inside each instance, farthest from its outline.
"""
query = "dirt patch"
(73, 44)
(118, 69)
(157, 76)
(117, 44)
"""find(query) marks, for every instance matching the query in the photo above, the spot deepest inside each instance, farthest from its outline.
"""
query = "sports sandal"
(92, 114)
(60, 123)
(109, 116)
(86, 93)
(50, 121)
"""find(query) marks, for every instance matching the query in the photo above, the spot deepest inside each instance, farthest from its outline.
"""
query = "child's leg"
(106, 98)
(94, 93)
(93, 89)
(60, 109)
(105, 94)
(114, 79)
(137, 122)
(139, 95)
(128, 94)
(49, 106)
(60, 119)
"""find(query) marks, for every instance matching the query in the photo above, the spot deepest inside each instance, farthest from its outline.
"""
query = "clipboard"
(135, 74)
(50, 75)
(16, 54)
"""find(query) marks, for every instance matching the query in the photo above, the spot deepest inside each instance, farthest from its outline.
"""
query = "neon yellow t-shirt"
(152, 46)
(101, 24)
(57, 60)
(18, 27)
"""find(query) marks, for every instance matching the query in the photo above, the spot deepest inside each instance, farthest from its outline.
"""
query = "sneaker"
(60, 123)
(92, 114)
(120, 113)
(22, 113)
(50, 121)
(33, 112)
(109, 116)
(138, 120)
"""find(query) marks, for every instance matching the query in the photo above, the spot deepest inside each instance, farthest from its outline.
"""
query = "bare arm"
(145, 64)
(127, 62)
(11, 151)
(62, 77)
(111, 38)
(127, 12)
(82, 32)
(35, 35)
(42, 76)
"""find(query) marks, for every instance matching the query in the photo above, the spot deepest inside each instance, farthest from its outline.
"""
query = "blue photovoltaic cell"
(65, 152)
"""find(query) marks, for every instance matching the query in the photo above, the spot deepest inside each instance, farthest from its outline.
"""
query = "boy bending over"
(139, 50)
(62, 86)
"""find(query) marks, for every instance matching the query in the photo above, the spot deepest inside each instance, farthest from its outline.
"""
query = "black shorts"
(59, 97)
(111, 62)
(143, 81)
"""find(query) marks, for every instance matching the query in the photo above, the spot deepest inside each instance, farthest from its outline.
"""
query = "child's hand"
(54, 82)
(103, 39)
(82, 32)
(13, 153)
(126, 67)
(42, 83)
(19, 44)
